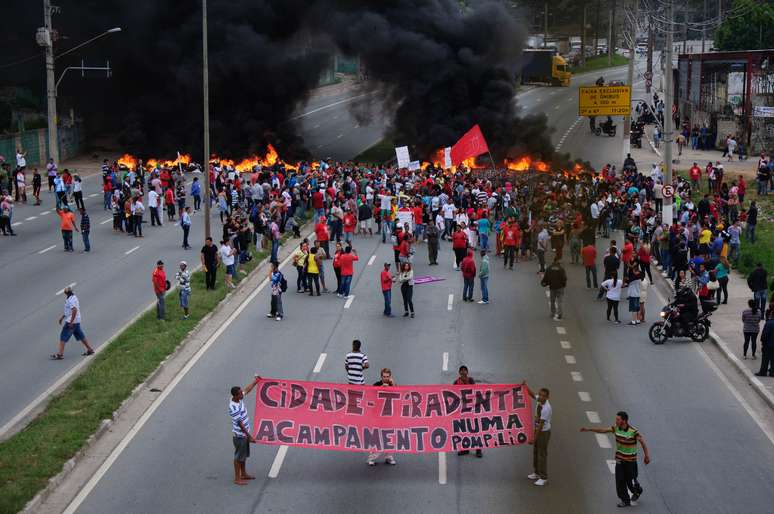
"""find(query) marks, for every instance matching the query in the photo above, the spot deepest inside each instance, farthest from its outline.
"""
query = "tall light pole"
(630, 79)
(666, 215)
(206, 90)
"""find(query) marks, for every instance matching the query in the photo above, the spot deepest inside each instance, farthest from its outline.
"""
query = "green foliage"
(749, 31)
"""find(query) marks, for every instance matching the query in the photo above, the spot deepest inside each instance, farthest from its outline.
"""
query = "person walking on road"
(346, 263)
(757, 282)
(612, 290)
(159, 280)
(468, 266)
(85, 230)
(387, 280)
(185, 224)
(511, 239)
(355, 363)
(483, 278)
(406, 280)
(464, 378)
(209, 259)
(543, 413)
(751, 320)
(386, 380)
(67, 226)
(299, 257)
(279, 285)
(626, 439)
(555, 278)
(459, 245)
(72, 325)
(589, 256)
(767, 346)
(138, 209)
(240, 430)
(432, 233)
(183, 278)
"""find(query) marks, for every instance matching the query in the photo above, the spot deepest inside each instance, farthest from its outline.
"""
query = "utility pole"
(666, 215)
(53, 135)
(596, 30)
(545, 25)
(703, 29)
(685, 27)
(651, 44)
(583, 36)
(610, 38)
(206, 91)
(630, 78)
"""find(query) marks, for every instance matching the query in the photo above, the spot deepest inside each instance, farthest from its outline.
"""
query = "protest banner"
(403, 216)
(402, 155)
(401, 419)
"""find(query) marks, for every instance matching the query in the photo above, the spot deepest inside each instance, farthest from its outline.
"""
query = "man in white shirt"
(227, 253)
(448, 219)
(153, 205)
(542, 435)
(72, 325)
(137, 211)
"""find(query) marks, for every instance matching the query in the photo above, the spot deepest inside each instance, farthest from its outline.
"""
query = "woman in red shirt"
(337, 266)
(321, 233)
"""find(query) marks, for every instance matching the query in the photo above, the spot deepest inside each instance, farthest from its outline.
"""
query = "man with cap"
(183, 277)
(72, 325)
(159, 279)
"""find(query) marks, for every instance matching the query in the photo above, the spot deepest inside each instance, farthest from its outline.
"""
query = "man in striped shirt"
(626, 438)
(240, 428)
(355, 362)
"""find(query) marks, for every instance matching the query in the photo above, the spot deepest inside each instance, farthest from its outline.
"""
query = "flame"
(526, 163)
(128, 161)
(182, 159)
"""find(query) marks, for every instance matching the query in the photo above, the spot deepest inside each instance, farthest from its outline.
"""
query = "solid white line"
(593, 416)
(31, 218)
(371, 260)
(445, 361)
(72, 284)
(442, 468)
(584, 396)
(346, 100)
(44, 250)
(278, 460)
(320, 360)
(106, 221)
(611, 466)
(131, 250)
(576, 376)
(451, 302)
(103, 469)
(603, 441)
(561, 330)
(565, 344)
(570, 359)
(348, 303)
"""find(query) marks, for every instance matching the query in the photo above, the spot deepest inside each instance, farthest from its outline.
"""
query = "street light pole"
(53, 136)
(206, 88)
(666, 215)
(630, 80)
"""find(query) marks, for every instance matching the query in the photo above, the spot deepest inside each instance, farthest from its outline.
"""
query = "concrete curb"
(724, 348)
(54, 482)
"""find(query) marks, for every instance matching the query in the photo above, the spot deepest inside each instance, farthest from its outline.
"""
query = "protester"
(72, 325)
(406, 280)
(612, 290)
(183, 278)
(85, 230)
(185, 224)
(483, 277)
(346, 261)
(555, 278)
(278, 285)
(159, 280)
(767, 346)
(227, 253)
(387, 280)
(589, 256)
(542, 435)
(386, 380)
(355, 363)
(751, 319)
(209, 258)
(240, 430)
(67, 226)
(464, 378)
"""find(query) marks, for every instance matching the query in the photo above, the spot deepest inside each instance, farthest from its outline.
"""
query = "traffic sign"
(668, 191)
(604, 101)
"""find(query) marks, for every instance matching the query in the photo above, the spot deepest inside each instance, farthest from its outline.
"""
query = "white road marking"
(346, 100)
(557, 107)
(106, 221)
(16, 224)
(357, 125)
(111, 459)
(319, 364)
(576, 376)
(371, 260)
(561, 330)
(278, 460)
(593, 416)
(450, 303)
(442, 468)
(339, 136)
(348, 303)
(131, 250)
(603, 441)
(44, 250)
(565, 344)
(445, 361)
(72, 284)
(317, 126)
(93, 195)
(584, 396)
(31, 218)
(43, 213)
(570, 359)
(611, 466)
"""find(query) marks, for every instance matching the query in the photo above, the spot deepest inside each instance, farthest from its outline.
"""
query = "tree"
(747, 27)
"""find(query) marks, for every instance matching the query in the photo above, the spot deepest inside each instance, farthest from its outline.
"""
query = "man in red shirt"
(511, 241)
(346, 262)
(318, 205)
(419, 226)
(695, 175)
(459, 245)
(589, 256)
(159, 279)
(387, 279)
(350, 222)
(628, 252)
(468, 267)
(322, 234)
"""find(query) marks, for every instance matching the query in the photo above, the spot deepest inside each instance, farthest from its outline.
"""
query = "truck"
(544, 66)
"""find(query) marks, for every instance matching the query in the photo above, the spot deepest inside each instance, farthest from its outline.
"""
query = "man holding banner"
(385, 381)
(240, 428)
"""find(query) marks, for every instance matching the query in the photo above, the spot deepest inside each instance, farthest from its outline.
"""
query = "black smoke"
(439, 68)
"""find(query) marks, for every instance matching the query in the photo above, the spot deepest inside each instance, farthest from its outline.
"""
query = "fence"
(35, 143)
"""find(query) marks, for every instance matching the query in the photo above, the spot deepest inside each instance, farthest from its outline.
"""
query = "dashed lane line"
(584, 396)
(106, 221)
(569, 359)
(71, 284)
(319, 364)
(576, 376)
(593, 416)
(445, 361)
(131, 250)
(348, 303)
(278, 460)
(603, 441)
(450, 303)
(44, 250)
(371, 260)
(561, 330)
(442, 468)
(565, 345)
(31, 218)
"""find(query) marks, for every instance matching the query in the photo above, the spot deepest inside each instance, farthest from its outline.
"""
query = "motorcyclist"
(593, 123)
(607, 126)
(629, 162)
(687, 305)
(601, 81)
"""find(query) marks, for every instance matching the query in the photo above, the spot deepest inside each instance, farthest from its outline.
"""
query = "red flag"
(472, 144)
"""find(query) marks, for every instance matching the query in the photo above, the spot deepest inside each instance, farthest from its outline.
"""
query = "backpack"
(283, 283)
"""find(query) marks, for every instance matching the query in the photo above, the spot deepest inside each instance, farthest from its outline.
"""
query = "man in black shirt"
(209, 258)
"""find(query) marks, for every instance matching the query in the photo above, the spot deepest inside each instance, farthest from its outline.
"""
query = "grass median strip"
(31, 457)
(599, 62)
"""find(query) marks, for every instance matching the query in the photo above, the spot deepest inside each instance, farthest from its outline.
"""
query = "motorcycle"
(608, 130)
(697, 330)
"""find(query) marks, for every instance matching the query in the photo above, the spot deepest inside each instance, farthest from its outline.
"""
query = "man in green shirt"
(626, 439)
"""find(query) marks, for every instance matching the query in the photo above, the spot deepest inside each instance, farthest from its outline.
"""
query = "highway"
(709, 455)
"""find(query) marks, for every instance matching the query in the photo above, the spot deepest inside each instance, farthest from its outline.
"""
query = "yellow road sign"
(604, 101)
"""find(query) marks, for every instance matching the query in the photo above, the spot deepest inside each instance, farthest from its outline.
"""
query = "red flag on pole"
(472, 144)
